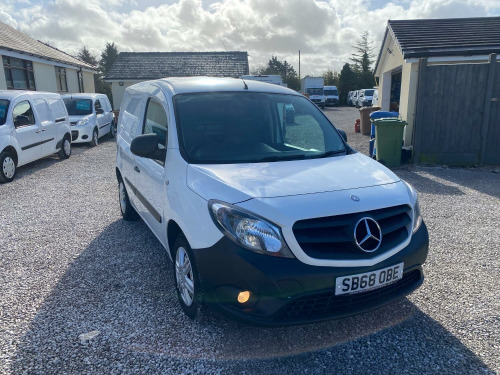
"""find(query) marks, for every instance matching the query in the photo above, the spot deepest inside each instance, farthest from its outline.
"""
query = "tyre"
(187, 280)
(95, 138)
(128, 212)
(112, 130)
(7, 167)
(65, 151)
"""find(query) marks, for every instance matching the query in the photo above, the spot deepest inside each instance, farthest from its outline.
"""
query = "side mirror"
(21, 120)
(342, 134)
(146, 146)
(99, 111)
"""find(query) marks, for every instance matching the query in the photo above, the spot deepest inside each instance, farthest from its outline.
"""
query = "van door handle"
(136, 168)
(38, 131)
(44, 130)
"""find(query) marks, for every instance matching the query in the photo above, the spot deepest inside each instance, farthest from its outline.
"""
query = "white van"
(267, 219)
(91, 117)
(365, 97)
(32, 126)
(331, 95)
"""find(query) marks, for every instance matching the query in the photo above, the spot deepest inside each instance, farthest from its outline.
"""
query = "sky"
(323, 30)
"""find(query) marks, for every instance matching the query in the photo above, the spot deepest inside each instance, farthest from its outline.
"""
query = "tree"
(86, 56)
(363, 57)
(282, 68)
(108, 57)
(348, 81)
(331, 78)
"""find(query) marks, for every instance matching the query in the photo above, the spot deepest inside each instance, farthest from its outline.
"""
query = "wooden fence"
(457, 118)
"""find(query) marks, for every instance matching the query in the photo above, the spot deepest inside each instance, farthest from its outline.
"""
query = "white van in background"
(91, 117)
(32, 125)
(331, 95)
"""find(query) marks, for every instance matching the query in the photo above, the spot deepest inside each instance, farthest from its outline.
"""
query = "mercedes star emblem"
(367, 234)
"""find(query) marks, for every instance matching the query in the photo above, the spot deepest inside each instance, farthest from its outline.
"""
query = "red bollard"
(357, 125)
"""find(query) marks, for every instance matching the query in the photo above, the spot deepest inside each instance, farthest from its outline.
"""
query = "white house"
(28, 64)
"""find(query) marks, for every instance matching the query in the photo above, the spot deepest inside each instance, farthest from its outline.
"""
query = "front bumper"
(81, 134)
(332, 101)
(287, 291)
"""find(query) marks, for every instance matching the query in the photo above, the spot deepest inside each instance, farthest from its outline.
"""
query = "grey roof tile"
(16, 41)
(154, 65)
(447, 37)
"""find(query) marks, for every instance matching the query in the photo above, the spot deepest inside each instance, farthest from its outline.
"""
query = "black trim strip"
(144, 201)
(36, 144)
(60, 119)
(100, 127)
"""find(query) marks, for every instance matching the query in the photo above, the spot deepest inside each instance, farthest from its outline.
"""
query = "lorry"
(274, 79)
(312, 87)
(331, 95)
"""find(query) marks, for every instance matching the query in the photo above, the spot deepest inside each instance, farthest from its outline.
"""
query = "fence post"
(487, 107)
(420, 108)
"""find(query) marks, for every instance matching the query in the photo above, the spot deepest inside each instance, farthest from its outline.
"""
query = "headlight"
(417, 217)
(248, 230)
(83, 121)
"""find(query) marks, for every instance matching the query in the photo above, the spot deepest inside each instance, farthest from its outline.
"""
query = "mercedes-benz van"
(268, 219)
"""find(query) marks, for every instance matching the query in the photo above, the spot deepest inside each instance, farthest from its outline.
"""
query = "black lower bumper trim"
(287, 291)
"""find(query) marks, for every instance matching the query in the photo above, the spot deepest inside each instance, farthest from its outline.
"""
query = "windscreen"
(369, 92)
(314, 91)
(250, 127)
(331, 93)
(4, 106)
(78, 107)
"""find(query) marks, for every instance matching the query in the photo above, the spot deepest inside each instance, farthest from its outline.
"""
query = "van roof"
(183, 85)
(13, 94)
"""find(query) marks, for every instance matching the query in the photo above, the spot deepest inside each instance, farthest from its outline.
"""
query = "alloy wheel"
(184, 276)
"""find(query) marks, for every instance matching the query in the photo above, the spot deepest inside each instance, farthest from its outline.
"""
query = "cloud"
(6, 18)
(324, 31)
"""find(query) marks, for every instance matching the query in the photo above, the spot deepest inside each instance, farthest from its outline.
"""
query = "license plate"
(363, 282)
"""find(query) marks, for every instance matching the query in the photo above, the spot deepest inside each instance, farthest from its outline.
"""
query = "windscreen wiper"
(331, 153)
(282, 158)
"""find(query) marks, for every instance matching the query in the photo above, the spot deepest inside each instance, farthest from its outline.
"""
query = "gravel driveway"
(82, 291)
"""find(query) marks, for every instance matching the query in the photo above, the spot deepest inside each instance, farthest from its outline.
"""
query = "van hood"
(77, 118)
(235, 183)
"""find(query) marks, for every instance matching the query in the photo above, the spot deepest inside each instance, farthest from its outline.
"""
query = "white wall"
(45, 77)
(408, 99)
(3, 82)
(88, 82)
(118, 92)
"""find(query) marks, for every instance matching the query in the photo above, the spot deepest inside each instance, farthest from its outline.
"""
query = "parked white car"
(32, 125)
(354, 98)
(365, 97)
(263, 216)
(91, 117)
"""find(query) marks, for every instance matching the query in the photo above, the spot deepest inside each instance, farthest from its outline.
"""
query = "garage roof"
(447, 37)
(16, 41)
(155, 65)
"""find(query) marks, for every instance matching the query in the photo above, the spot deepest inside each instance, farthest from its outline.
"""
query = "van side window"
(156, 122)
(23, 109)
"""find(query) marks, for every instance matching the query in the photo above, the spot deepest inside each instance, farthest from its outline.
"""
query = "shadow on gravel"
(121, 288)
(483, 180)
(427, 185)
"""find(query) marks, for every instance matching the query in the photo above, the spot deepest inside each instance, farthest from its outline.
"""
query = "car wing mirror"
(21, 120)
(342, 134)
(146, 146)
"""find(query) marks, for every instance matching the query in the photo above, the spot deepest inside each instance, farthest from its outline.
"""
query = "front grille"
(74, 135)
(326, 304)
(333, 237)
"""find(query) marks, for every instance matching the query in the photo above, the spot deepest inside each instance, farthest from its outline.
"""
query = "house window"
(18, 73)
(62, 84)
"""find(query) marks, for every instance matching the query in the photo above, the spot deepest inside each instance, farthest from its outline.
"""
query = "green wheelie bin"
(389, 140)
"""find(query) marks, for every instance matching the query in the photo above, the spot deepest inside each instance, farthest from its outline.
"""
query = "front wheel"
(8, 167)
(65, 151)
(188, 284)
(95, 138)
